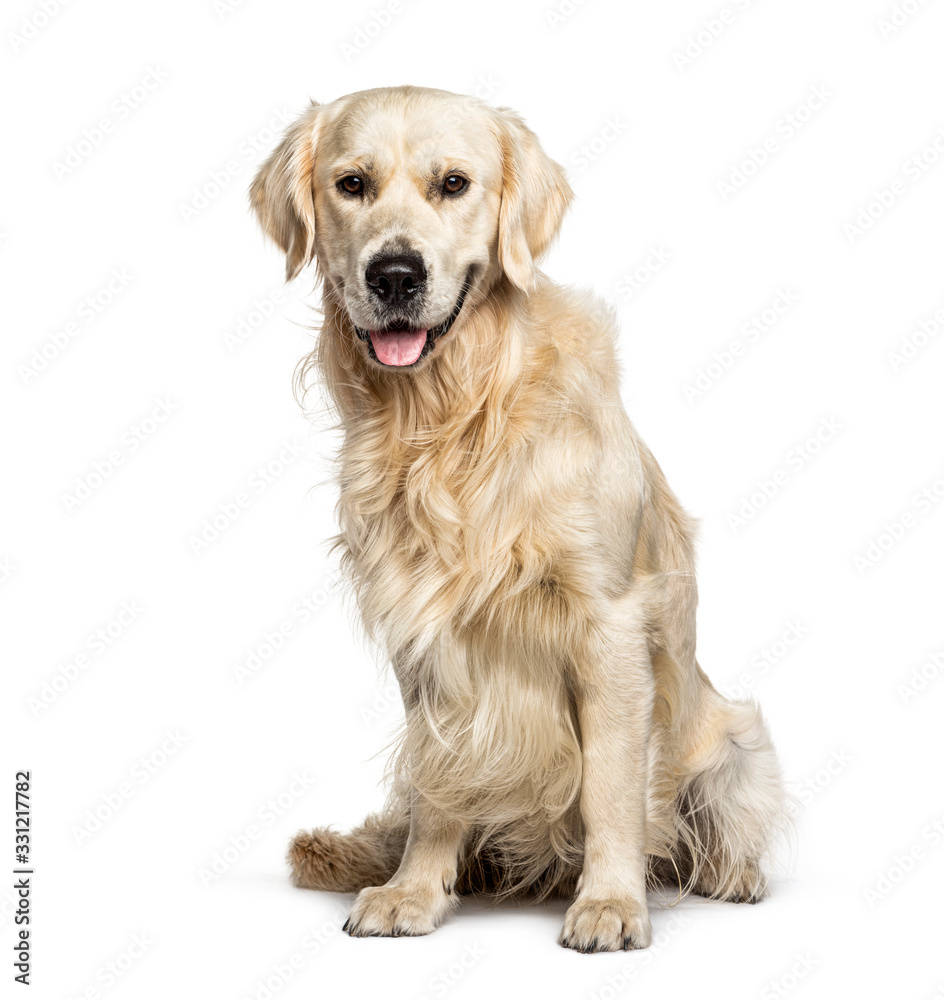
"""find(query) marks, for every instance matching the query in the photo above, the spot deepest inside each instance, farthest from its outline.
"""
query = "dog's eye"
(455, 184)
(351, 184)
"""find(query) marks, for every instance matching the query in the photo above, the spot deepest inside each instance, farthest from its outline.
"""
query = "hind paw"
(748, 884)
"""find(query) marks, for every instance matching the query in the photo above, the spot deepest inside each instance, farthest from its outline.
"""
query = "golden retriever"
(513, 545)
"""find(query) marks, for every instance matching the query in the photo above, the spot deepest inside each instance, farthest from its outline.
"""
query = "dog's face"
(407, 200)
(415, 203)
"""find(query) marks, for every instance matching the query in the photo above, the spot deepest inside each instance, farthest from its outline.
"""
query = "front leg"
(614, 708)
(422, 890)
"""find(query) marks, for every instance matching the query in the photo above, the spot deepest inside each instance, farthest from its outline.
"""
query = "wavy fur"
(517, 554)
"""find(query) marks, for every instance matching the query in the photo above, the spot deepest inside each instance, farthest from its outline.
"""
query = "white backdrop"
(760, 188)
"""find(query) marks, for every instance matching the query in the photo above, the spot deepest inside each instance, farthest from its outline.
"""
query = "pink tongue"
(398, 348)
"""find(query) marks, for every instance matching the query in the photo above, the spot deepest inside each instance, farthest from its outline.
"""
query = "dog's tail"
(369, 855)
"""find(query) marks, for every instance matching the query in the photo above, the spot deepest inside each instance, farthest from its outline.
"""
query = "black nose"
(396, 279)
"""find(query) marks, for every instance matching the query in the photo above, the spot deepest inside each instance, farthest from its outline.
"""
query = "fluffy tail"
(348, 862)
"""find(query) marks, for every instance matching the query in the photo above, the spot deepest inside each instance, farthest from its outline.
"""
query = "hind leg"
(731, 806)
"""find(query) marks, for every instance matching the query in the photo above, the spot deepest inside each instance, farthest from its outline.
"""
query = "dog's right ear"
(282, 195)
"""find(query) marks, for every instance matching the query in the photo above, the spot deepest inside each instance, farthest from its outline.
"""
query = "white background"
(646, 136)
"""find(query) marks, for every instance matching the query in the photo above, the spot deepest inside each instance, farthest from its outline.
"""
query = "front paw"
(606, 925)
(396, 911)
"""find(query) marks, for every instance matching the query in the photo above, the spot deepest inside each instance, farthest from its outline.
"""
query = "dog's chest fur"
(454, 530)
(462, 573)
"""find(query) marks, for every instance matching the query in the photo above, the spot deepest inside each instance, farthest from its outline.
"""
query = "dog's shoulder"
(581, 329)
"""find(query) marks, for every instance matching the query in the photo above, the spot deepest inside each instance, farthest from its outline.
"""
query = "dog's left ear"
(282, 196)
(535, 195)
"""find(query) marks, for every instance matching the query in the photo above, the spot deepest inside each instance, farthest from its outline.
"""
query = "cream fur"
(514, 549)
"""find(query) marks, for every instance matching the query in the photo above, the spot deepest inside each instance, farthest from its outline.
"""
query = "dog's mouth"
(399, 345)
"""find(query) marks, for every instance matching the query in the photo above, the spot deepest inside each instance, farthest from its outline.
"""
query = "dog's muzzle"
(400, 345)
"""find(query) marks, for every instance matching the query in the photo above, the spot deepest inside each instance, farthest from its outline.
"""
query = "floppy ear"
(535, 195)
(281, 193)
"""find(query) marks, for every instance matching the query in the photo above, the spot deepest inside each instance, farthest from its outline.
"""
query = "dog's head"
(415, 203)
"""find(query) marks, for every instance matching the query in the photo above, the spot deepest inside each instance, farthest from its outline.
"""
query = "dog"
(513, 545)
